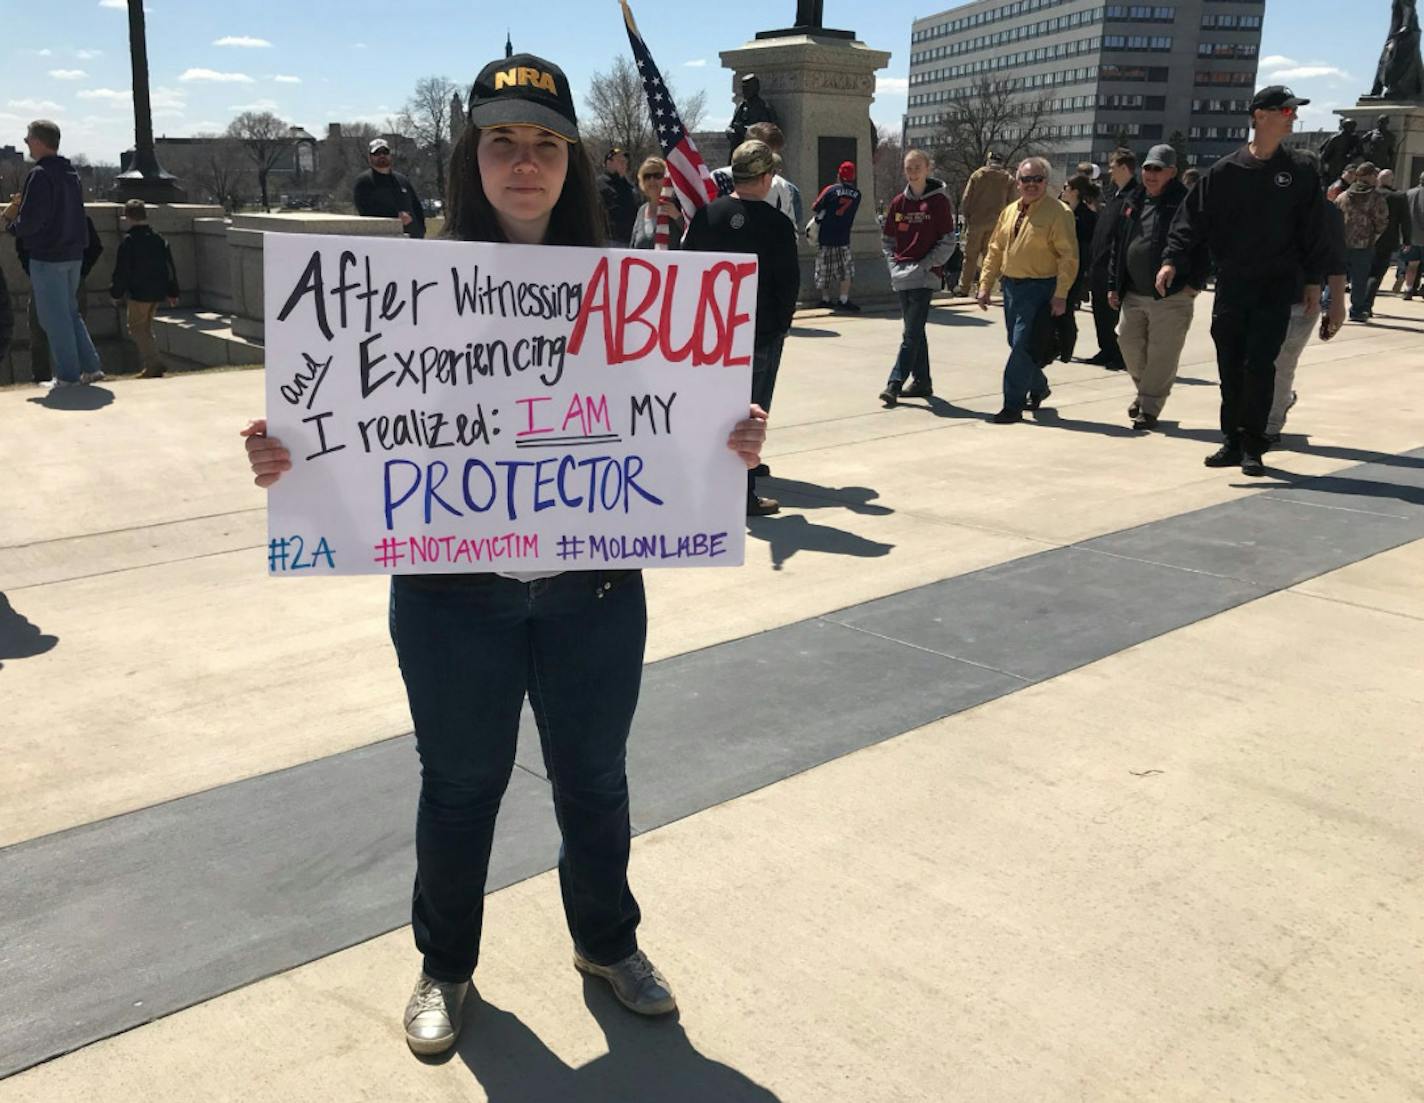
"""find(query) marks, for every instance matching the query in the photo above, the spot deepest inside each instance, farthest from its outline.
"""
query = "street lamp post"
(144, 178)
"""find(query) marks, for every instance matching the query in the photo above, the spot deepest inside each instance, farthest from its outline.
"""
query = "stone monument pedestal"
(822, 85)
(1406, 119)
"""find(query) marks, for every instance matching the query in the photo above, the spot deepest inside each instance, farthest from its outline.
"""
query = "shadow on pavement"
(792, 533)
(647, 1059)
(75, 398)
(1337, 484)
(857, 499)
(959, 318)
(940, 408)
(19, 639)
(808, 331)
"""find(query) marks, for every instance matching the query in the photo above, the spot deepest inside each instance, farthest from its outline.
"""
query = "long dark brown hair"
(577, 218)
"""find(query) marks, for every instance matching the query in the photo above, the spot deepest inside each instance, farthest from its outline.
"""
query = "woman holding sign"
(471, 647)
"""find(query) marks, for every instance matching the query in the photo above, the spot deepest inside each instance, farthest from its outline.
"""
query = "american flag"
(691, 182)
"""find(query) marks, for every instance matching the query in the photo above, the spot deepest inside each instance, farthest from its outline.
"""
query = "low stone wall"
(176, 223)
(244, 240)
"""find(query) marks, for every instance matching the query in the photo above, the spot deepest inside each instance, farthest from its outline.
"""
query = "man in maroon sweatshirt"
(916, 238)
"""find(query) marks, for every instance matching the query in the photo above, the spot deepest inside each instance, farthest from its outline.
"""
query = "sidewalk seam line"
(931, 651)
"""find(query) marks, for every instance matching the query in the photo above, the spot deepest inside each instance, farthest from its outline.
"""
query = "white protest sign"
(456, 406)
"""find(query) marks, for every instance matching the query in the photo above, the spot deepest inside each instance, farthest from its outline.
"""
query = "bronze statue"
(1400, 75)
(1339, 150)
(1379, 144)
(810, 13)
(753, 109)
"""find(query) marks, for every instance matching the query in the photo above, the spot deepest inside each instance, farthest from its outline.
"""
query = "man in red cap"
(834, 211)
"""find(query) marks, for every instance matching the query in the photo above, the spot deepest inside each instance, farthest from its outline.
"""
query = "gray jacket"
(1416, 214)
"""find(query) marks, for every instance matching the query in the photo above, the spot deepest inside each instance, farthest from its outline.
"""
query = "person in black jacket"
(744, 222)
(1154, 326)
(40, 368)
(1258, 210)
(1396, 235)
(620, 201)
(143, 274)
(382, 192)
(1122, 168)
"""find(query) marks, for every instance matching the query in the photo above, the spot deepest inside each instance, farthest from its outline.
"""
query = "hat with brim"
(379, 145)
(524, 90)
(1276, 96)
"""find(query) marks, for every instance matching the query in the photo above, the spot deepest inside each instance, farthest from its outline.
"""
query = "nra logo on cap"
(521, 75)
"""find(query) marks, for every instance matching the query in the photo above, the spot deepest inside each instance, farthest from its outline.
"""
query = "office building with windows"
(1134, 74)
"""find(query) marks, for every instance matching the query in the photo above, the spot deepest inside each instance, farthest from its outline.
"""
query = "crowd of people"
(1139, 243)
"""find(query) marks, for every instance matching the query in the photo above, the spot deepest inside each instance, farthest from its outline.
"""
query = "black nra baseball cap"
(1276, 95)
(524, 90)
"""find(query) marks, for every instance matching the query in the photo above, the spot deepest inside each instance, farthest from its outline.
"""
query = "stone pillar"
(244, 241)
(822, 86)
(1407, 121)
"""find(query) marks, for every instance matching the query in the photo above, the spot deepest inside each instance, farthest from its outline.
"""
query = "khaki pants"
(1297, 337)
(141, 331)
(975, 245)
(1151, 335)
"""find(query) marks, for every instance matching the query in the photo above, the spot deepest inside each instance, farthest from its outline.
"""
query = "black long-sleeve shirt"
(386, 195)
(1262, 221)
(732, 225)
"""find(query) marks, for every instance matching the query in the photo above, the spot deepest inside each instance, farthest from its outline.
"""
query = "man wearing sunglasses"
(1034, 249)
(382, 192)
(1259, 210)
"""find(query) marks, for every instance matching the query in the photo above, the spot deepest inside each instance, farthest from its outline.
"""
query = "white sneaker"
(92, 377)
(434, 1015)
(57, 384)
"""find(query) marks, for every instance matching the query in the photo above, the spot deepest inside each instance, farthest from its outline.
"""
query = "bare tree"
(265, 138)
(343, 158)
(618, 111)
(216, 166)
(989, 115)
(426, 118)
(889, 165)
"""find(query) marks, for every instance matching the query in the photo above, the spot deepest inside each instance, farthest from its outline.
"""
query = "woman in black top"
(472, 647)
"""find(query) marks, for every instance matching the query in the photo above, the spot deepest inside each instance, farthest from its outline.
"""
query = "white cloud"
(696, 63)
(161, 97)
(255, 105)
(35, 105)
(1277, 61)
(358, 46)
(167, 113)
(892, 86)
(1310, 72)
(1317, 116)
(88, 55)
(242, 40)
(41, 53)
(213, 76)
(104, 94)
(283, 79)
(120, 5)
(68, 74)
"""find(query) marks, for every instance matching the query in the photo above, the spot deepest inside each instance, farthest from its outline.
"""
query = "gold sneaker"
(637, 983)
(433, 1015)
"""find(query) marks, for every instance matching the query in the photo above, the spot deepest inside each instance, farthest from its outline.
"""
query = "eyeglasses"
(1285, 112)
(1154, 168)
(380, 153)
(653, 175)
(1032, 179)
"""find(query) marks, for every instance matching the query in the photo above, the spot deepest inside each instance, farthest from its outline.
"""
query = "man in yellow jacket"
(1034, 250)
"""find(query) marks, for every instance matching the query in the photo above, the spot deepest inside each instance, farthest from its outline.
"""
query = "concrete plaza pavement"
(1186, 870)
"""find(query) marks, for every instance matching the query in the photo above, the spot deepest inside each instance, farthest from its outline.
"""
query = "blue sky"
(320, 61)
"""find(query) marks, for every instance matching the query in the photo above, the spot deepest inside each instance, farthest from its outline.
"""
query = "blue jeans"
(1358, 263)
(913, 360)
(470, 648)
(1023, 299)
(56, 285)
